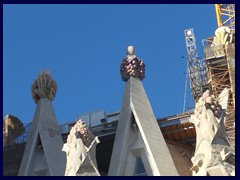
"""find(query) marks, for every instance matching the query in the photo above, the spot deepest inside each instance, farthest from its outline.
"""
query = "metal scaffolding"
(197, 69)
(221, 65)
(220, 59)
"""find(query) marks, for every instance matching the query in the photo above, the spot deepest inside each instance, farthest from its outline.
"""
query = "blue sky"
(83, 45)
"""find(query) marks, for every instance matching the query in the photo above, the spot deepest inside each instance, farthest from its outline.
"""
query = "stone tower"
(138, 141)
(43, 154)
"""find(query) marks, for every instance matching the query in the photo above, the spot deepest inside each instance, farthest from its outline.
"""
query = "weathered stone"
(12, 128)
(213, 153)
(44, 87)
(81, 151)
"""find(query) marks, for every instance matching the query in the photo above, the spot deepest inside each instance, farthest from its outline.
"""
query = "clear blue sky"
(83, 45)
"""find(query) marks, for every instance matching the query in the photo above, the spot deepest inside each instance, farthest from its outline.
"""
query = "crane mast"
(197, 69)
(225, 14)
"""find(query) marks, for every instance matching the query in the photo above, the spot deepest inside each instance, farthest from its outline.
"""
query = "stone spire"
(139, 147)
(43, 154)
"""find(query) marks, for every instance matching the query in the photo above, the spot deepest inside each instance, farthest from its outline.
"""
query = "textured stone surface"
(43, 152)
(138, 136)
(132, 66)
(12, 128)
(213, 153)
(81, 151)
(223, 35)
(44, 87)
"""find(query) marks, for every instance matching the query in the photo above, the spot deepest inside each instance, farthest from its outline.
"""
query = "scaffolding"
(220, 60)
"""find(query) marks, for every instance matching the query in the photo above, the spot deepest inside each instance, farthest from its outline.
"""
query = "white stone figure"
(223, 35)
(81, 151)
(213, 153)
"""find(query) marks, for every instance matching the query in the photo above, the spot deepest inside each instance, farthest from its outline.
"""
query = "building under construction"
(215, 72)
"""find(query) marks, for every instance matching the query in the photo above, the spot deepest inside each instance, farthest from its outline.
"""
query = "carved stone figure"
(81, 151)
(213, 153)
(12, 128)
(223, 35)
(44, 87)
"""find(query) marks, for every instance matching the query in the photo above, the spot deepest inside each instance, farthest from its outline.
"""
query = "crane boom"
(225, 14)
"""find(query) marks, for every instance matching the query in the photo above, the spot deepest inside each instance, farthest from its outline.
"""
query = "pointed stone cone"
(138, 136)
(43, 155)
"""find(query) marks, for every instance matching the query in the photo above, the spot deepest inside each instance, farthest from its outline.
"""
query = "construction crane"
(197, 69)
(225, 14)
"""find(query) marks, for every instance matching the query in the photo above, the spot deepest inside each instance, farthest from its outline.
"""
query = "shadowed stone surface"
(43, 153)
(213, 154)
(138, 136)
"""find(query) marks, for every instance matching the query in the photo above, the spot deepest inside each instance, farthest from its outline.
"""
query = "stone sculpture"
(139, 146)
(213, 153)
(44, 87)
(81, 151)
(223, 35)
(132, 66)
(12, 128)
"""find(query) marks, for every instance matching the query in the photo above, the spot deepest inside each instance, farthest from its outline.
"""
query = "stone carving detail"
(44, 87)
(132, 66)
(12, 128)
(224, 35)
(81, 151)
(213, 154)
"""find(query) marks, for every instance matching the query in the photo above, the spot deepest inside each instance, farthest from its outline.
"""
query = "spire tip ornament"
(44, 87)
(132, 66)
